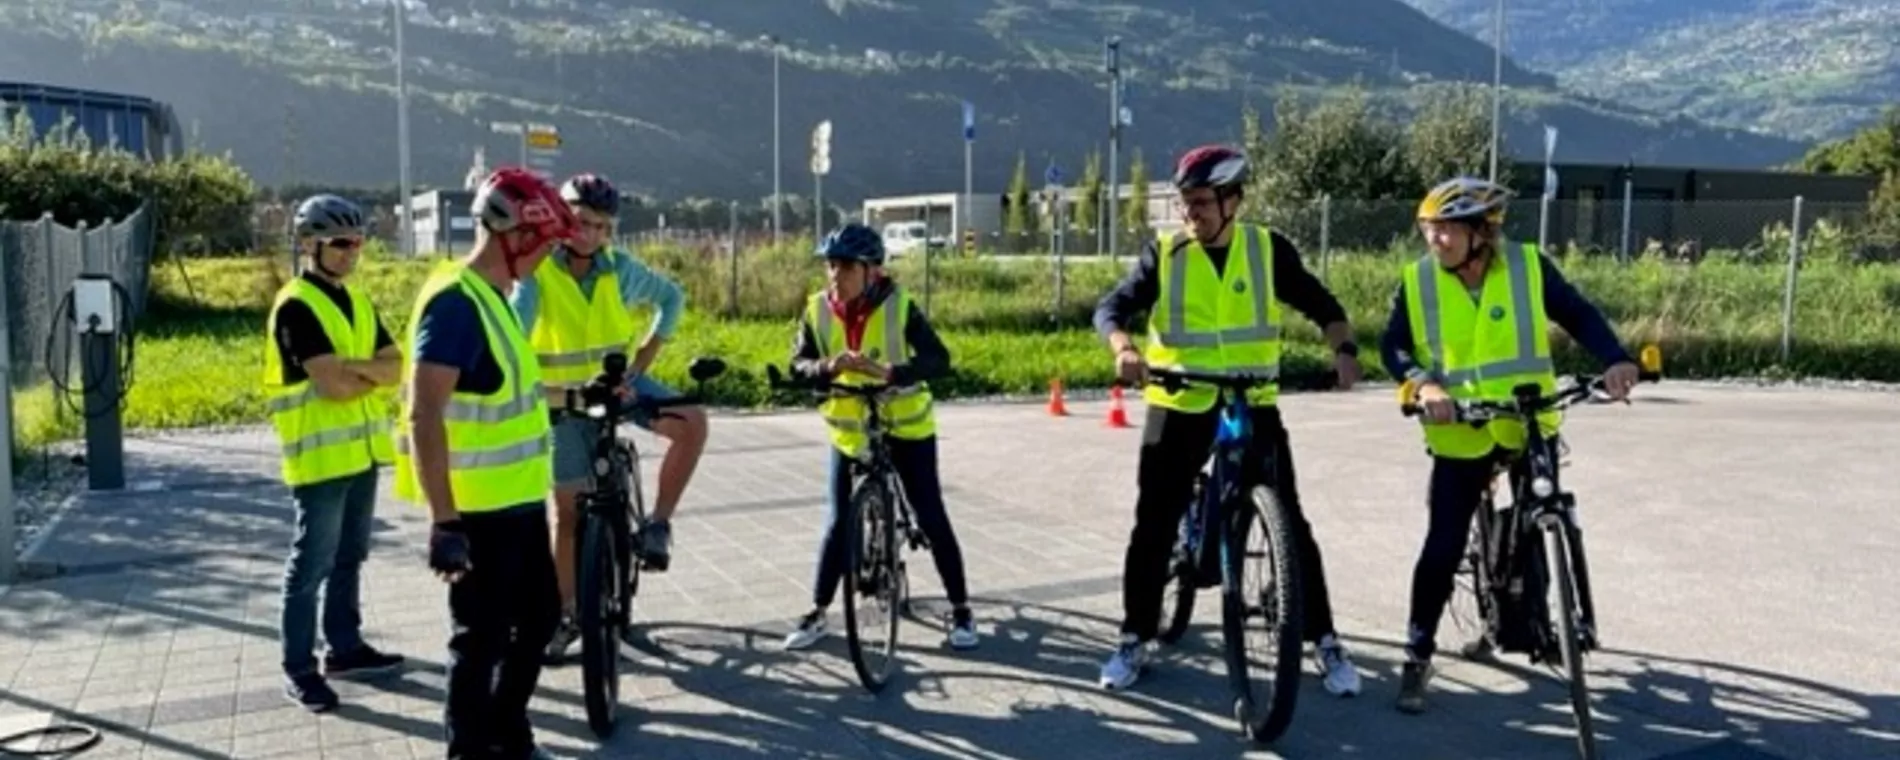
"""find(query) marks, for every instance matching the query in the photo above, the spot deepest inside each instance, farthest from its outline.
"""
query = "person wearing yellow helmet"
(1470, 320)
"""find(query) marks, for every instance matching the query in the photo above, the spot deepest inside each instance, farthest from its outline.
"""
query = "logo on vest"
(873, 354)
(1240, 287)
(1497, 313)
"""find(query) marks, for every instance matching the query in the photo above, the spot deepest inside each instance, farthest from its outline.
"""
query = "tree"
(1451, 136)
(1873, 151)
(1020, 220)
(1089, 200)
(1135, 211)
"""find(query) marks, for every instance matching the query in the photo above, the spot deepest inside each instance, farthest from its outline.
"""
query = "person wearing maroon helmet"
(1205, 277)
(473, 443)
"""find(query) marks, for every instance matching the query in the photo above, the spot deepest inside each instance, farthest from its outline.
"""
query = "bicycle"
(612, 512)
(1223, 488)
(878, 515)
(1500, 570)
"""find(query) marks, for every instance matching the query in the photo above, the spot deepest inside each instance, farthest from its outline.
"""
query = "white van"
(904, 237)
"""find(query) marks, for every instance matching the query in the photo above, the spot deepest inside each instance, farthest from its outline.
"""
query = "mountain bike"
(1504, 568)
(1232, 497)
(612, 512)
(878, 527)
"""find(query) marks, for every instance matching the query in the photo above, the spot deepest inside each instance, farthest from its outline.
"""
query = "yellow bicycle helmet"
(1465, 198)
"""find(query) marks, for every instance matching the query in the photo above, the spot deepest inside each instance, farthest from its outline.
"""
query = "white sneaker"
(810, 629)
(962, 630)
(1124, 666)
(1335, 668)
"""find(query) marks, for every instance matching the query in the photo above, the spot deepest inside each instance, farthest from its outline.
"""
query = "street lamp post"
(1497, 82)
(777, 223)
(407, 225)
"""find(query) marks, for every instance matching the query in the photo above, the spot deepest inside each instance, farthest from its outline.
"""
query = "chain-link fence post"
(732, 249)
(1325, 234)
(1629, 197)
(1787, 291)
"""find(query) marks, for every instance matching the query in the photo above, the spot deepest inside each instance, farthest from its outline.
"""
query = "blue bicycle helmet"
(853, 242)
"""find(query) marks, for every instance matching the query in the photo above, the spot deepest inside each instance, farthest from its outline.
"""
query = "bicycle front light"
(1542, 488)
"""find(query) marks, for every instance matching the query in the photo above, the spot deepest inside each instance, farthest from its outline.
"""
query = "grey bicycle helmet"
(327, 215)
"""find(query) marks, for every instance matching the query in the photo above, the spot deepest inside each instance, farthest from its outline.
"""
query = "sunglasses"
(342, 244)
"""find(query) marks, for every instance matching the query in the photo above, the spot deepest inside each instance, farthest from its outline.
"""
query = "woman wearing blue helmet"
(863, 328)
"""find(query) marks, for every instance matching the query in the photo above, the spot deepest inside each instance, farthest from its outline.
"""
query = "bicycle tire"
(630, 557)
(873, 499)
(1183, 583)
(600, 640)
(1472, 584)
(1264, 723)
(1569, 636)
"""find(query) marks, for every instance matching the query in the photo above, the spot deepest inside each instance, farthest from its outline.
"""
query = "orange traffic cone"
(1056, 407)
(1117, 416)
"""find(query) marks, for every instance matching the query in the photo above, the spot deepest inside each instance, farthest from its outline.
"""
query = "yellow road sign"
(544, 139)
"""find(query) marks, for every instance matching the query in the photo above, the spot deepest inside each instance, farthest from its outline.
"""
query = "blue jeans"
(332, 540)
(916, 464)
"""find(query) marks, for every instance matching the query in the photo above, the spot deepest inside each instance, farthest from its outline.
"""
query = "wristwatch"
(1348, 348)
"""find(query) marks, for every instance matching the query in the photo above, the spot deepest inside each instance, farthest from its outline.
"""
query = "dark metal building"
(139, 125)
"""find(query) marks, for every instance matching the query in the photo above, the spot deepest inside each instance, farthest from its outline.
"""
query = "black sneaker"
(1412, 678)
(361, 661)
(656, 545)
(311, 692)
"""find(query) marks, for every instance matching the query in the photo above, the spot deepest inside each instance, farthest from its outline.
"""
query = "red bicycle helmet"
(1215, 166)
(515, 200)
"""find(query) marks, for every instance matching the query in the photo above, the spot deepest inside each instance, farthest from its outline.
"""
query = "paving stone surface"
(1743, 544)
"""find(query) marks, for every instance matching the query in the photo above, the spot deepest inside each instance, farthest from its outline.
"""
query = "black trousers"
(1174, 447)
(1457, 485)
(502, 615)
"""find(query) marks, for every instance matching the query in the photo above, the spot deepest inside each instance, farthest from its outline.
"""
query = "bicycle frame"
(1539, 500)
(1225, 483)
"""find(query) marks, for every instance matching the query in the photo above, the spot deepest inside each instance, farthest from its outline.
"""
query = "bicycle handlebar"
(1528, 400)
(1174, 379)
(777, 380)
(598, 399)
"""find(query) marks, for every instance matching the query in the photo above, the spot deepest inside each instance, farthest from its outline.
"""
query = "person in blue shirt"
(593, 263)
(1461, 220)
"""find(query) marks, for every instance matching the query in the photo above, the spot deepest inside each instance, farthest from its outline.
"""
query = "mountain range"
(675, 97)
(1808, 69)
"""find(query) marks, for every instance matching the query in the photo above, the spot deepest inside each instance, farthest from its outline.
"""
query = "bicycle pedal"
(654, 565)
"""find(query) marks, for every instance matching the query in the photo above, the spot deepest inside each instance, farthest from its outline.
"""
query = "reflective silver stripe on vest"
(334, 437)
(472, 459)
(1179, 336)
(582, 358)
(1517, 268)
(292, 401)
(1271, 373)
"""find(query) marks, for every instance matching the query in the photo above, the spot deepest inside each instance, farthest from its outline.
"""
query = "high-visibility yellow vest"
(1482, 349)
(908, 414)
(500, 445)
(1217, 323)
(572, 332)
(323, 439)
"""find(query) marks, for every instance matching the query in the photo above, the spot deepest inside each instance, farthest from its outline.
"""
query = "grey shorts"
(574, 438)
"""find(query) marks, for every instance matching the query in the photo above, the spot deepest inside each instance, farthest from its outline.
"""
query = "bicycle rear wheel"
(1569, 635)
(871, 575)
(598, 593)
(1264, 711)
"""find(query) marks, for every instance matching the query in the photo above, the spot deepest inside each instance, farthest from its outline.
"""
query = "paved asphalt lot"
(1742, 540)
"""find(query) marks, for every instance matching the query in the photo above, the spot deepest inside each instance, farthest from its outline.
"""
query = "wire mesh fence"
(39, 261)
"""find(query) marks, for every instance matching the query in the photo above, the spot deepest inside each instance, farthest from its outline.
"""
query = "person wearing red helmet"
(1213, 295)
(473, 442)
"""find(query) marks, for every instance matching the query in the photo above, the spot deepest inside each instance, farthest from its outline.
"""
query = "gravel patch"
(44, 483)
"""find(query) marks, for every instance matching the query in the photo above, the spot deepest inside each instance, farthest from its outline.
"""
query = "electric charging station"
(99, 322)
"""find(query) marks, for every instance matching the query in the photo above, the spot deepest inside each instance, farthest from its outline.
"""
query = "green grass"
(200, 344)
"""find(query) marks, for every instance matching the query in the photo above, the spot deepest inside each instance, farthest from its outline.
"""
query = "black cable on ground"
(88, 737)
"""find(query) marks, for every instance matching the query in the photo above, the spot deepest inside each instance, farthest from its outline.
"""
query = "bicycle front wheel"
(1261, 603)
(598, 595)
(1570, 635)
(872, 607)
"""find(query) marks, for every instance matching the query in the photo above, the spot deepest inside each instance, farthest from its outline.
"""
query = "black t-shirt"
(300, 337)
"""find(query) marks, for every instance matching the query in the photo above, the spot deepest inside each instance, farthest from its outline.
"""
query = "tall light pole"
(402, 136)
(1111, 60)
(1497, 82)
(777, 224)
